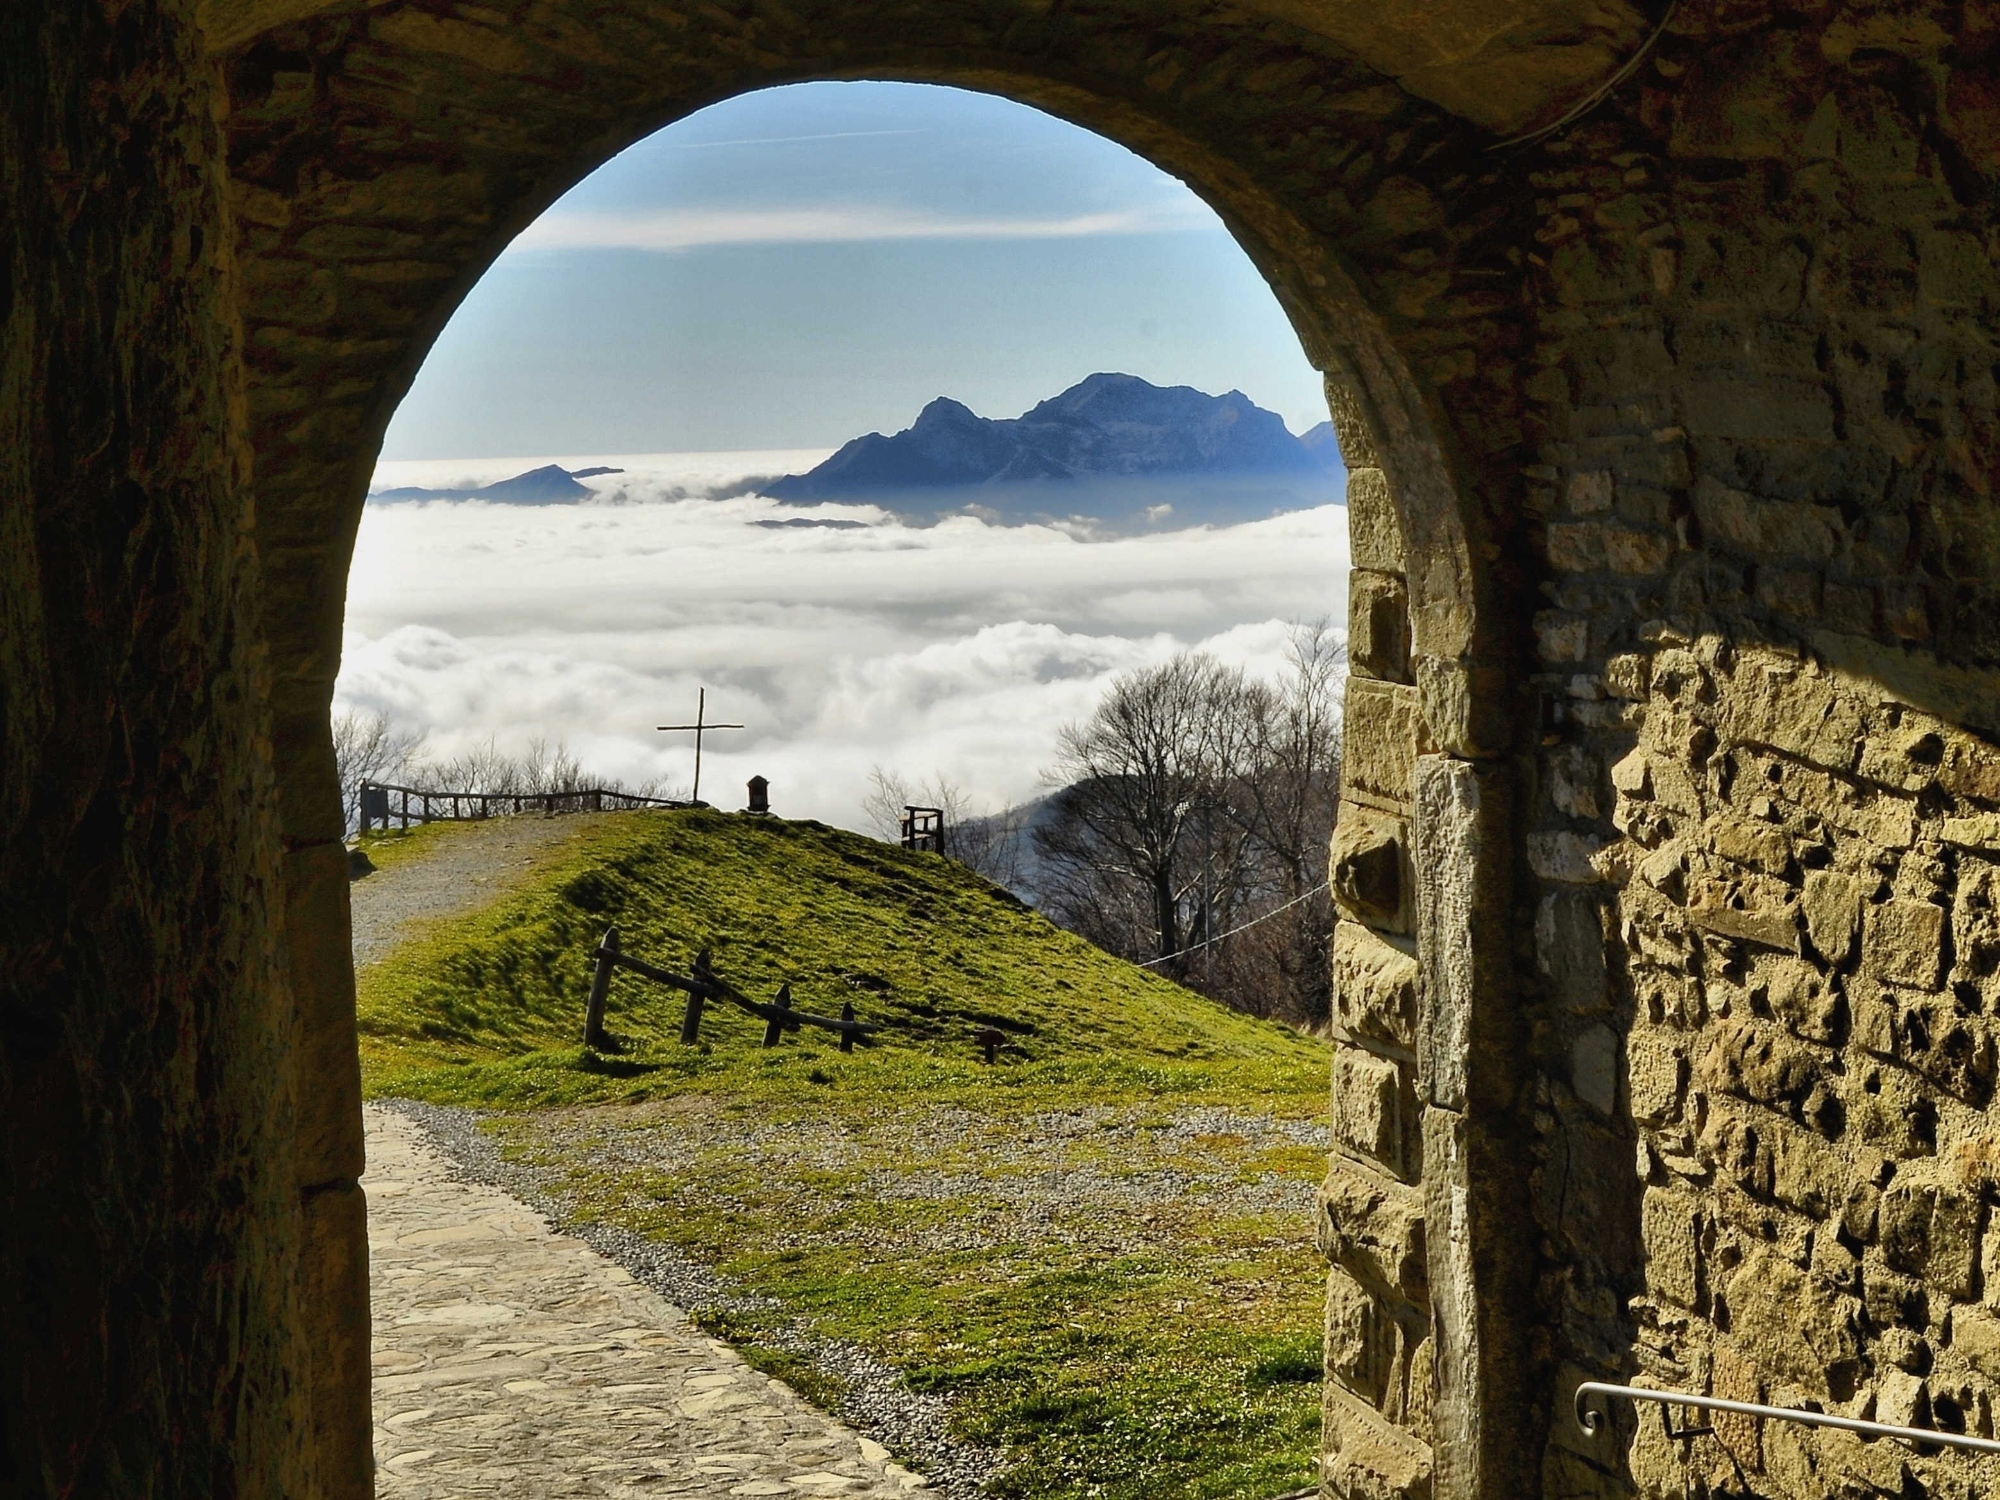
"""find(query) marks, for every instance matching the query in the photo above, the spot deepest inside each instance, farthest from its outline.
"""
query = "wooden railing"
(701, 986)
(384, 804)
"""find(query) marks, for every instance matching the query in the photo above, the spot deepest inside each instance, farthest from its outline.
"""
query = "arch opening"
(1322, 252)
(1041, 592)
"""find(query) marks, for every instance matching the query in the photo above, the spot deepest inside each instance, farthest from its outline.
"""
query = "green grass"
(1160, 1351)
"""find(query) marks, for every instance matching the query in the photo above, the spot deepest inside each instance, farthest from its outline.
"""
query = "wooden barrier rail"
(405, 805)
(703, 985)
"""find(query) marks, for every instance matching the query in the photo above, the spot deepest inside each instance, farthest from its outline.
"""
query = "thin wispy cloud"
(695, 228)
(779, 140)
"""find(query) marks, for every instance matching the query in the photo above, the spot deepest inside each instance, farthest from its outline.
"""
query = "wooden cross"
(700, 726)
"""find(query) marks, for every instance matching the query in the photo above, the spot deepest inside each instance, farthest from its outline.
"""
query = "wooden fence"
(700, 987)
(385, 804)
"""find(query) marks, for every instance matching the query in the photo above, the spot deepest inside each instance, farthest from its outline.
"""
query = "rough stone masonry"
(1661, 342)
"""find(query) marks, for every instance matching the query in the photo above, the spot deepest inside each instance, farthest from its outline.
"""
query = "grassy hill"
(1099, 1248)
(488, 1009)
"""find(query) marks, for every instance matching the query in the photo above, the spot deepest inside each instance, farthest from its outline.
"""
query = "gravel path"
(512, 1362)
(470, 865)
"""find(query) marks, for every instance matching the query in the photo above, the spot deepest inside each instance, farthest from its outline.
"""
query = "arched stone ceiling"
(1502, 64)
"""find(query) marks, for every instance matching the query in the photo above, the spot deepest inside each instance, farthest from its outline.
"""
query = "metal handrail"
(1588, 1419)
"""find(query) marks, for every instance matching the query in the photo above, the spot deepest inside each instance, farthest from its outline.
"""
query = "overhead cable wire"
(1167, 958)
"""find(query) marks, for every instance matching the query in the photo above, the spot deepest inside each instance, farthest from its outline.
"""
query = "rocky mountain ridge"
(1106, 427)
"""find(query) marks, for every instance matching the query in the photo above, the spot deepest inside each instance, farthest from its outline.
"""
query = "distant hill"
(549, 485)
(1108, 427)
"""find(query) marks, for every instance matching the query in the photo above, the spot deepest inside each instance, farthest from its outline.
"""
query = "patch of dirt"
(471, 865)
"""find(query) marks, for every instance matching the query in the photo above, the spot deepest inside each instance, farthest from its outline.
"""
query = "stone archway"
(1668, 954)
(363, 223)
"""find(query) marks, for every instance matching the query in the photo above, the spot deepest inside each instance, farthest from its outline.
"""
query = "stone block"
(1890, 1296)
(1970, 767)
(334, 1328)
(1766, 529)
(1859, 1468)
(1757, 845)
(1382, 735)
(1632, 775)
(1902, 1399)
(1794, 1326)
(1350, 426)
(1636, 553)
(1370, 868)
(1590, 492)
(1981, 831)
(1369, 1114)
(1754, 908)
(1832, 907)
(1656, 1072)
(1903, 943)
(1365, 1457)
(1670, 1229)
(1800, 996)
(1375, 536)
(1374, 1227)
(1778, 700)
(1593, 1068)
(1734, 1378)
(327, 1092)
(1481, 1297)
(1806, 1173)
(1569, 948)
(1975, 1338)
(1378, 625)
(1375, 986)
(1929, 1227)
(1756, 1061)
(1565, 856)
(1468, 709)
(1364, 1341)
(1467, 1052)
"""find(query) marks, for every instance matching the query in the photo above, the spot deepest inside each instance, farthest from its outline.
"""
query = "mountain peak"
(1107, 425)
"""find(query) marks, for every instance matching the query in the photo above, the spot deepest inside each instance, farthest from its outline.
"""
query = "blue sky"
(791, 268)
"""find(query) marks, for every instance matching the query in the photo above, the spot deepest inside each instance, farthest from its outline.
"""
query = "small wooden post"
(846, 1036)
(704, 978)
(990, 1042)
(775, 1027)
(600, 989)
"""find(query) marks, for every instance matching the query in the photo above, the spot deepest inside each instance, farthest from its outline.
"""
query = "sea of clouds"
(958, 648)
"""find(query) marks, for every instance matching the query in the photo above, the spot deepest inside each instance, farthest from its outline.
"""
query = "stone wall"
(148, 1219)
(1762, 398)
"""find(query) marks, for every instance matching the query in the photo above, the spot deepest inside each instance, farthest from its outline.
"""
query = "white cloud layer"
(959, 648)
(693, 228)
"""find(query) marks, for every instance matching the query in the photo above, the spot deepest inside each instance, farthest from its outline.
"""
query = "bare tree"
(1147, 790)
(988, 844)
(1191, 826)
(368, 747)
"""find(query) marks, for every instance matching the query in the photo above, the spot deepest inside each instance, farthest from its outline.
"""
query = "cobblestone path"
(513, 1362)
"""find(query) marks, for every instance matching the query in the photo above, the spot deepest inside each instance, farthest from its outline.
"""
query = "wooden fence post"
(846, 1036)
(691, 1020)
(600, 989)
(775, 1027)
